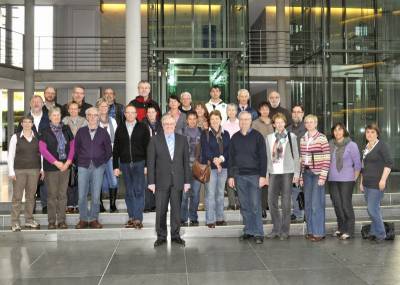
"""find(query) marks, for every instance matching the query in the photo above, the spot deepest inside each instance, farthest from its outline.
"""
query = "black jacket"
(47, 136)
(131, 149)
(45, 110)
(163, 171)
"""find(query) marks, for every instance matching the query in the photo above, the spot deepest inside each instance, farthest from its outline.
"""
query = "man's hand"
(117, 172)
(41, 175)
(152, 188)
(262, 182)
(186, 188)
(295, 180)
(361, 188)
(231, 182)
(321, 182)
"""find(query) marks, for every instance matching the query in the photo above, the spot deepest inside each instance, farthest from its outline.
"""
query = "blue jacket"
(210, 149)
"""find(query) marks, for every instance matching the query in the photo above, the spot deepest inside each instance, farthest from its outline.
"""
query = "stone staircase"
(113, 223)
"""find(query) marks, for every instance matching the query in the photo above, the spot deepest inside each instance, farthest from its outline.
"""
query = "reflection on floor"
(203, 261)
(5, 184)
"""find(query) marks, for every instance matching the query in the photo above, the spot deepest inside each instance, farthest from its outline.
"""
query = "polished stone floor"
(203, 261)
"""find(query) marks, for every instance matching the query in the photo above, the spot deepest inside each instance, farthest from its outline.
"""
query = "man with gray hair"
(168, 173)
(247, 173)
(274, 102)
(92, 151)
(186, 102)
(243, 103)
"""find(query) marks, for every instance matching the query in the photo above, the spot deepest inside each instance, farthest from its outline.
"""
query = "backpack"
(389, 229)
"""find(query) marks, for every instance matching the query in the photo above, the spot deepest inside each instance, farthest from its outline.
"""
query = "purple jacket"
(97, 150)
(351, 164)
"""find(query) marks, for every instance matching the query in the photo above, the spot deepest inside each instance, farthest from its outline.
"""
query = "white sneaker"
(32, 225)
(337, 234)
(344, 237)
(16, 228)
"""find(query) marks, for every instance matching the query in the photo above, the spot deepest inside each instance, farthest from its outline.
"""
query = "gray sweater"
(290, 164)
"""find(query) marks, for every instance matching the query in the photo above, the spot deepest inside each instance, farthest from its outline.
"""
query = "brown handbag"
(200, 171)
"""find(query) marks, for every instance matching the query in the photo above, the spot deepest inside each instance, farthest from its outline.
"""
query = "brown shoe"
(221, 223)
(81, 225)
(95, 225)
(316, 239)
(52, 226)
(211, 226)
(137, 224)
(62, 226)
(129, 224)
(308, 236)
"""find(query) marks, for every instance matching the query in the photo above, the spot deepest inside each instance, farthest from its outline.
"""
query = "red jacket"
(140, 104)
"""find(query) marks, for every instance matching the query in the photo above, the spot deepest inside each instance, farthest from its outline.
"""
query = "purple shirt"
(351, 164)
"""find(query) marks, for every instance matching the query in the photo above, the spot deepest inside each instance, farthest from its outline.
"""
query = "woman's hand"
(382, 185)
(361, 188)
(58, 164)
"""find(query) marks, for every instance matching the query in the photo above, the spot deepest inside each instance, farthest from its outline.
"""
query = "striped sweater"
(315, 154)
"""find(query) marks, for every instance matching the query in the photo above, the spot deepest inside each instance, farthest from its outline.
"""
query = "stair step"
(230, 216)
(118, 233)
(389, 199)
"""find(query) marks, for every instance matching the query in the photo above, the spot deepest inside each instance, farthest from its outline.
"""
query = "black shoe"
(259, 240)
(44, 210)
(245, 237)
(293, 217)
(184, 224)
(264, 214)
(194, 224)
(179, 241)
(113, 198)
(159, 242)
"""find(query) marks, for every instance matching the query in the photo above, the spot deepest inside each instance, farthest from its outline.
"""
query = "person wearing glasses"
(93, 150)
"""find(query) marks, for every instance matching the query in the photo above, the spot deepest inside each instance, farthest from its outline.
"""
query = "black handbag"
(300, 200)
(389, 229)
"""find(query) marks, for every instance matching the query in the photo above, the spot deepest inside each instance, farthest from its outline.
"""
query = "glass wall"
(350, 66)
(207, 38)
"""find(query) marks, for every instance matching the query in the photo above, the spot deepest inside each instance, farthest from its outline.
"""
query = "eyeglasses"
(92, 115)
(132, 113)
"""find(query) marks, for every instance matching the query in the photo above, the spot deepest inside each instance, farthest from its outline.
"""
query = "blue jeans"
(296, 209)
(314, 200)
(189, 209)
(90, 180)
(250, 204)
(215, 196)
(133, 174)
(373, 198)
(109, 180)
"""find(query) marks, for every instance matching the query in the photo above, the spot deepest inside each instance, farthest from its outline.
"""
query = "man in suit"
(168, 172)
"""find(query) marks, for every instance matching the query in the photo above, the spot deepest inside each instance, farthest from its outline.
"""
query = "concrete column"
(133, 48)
(10, 114)
(29, 44)
(282, 51)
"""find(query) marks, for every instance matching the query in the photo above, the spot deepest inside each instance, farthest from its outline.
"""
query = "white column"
(133, 48)
(29, 43)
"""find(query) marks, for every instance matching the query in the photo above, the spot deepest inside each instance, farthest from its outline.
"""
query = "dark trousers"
(133, 174)
(163, 197)
(280, 184)
(341, 195)
(149, 198)
(264, 198)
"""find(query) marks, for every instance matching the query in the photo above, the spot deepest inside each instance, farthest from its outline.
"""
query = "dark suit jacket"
(164, 172)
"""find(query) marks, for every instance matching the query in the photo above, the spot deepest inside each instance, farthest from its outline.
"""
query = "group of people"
(256, 156)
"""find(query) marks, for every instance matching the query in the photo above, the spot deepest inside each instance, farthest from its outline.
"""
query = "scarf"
(339, 148)
(61, 142)
(218, 137)
(277, 150)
